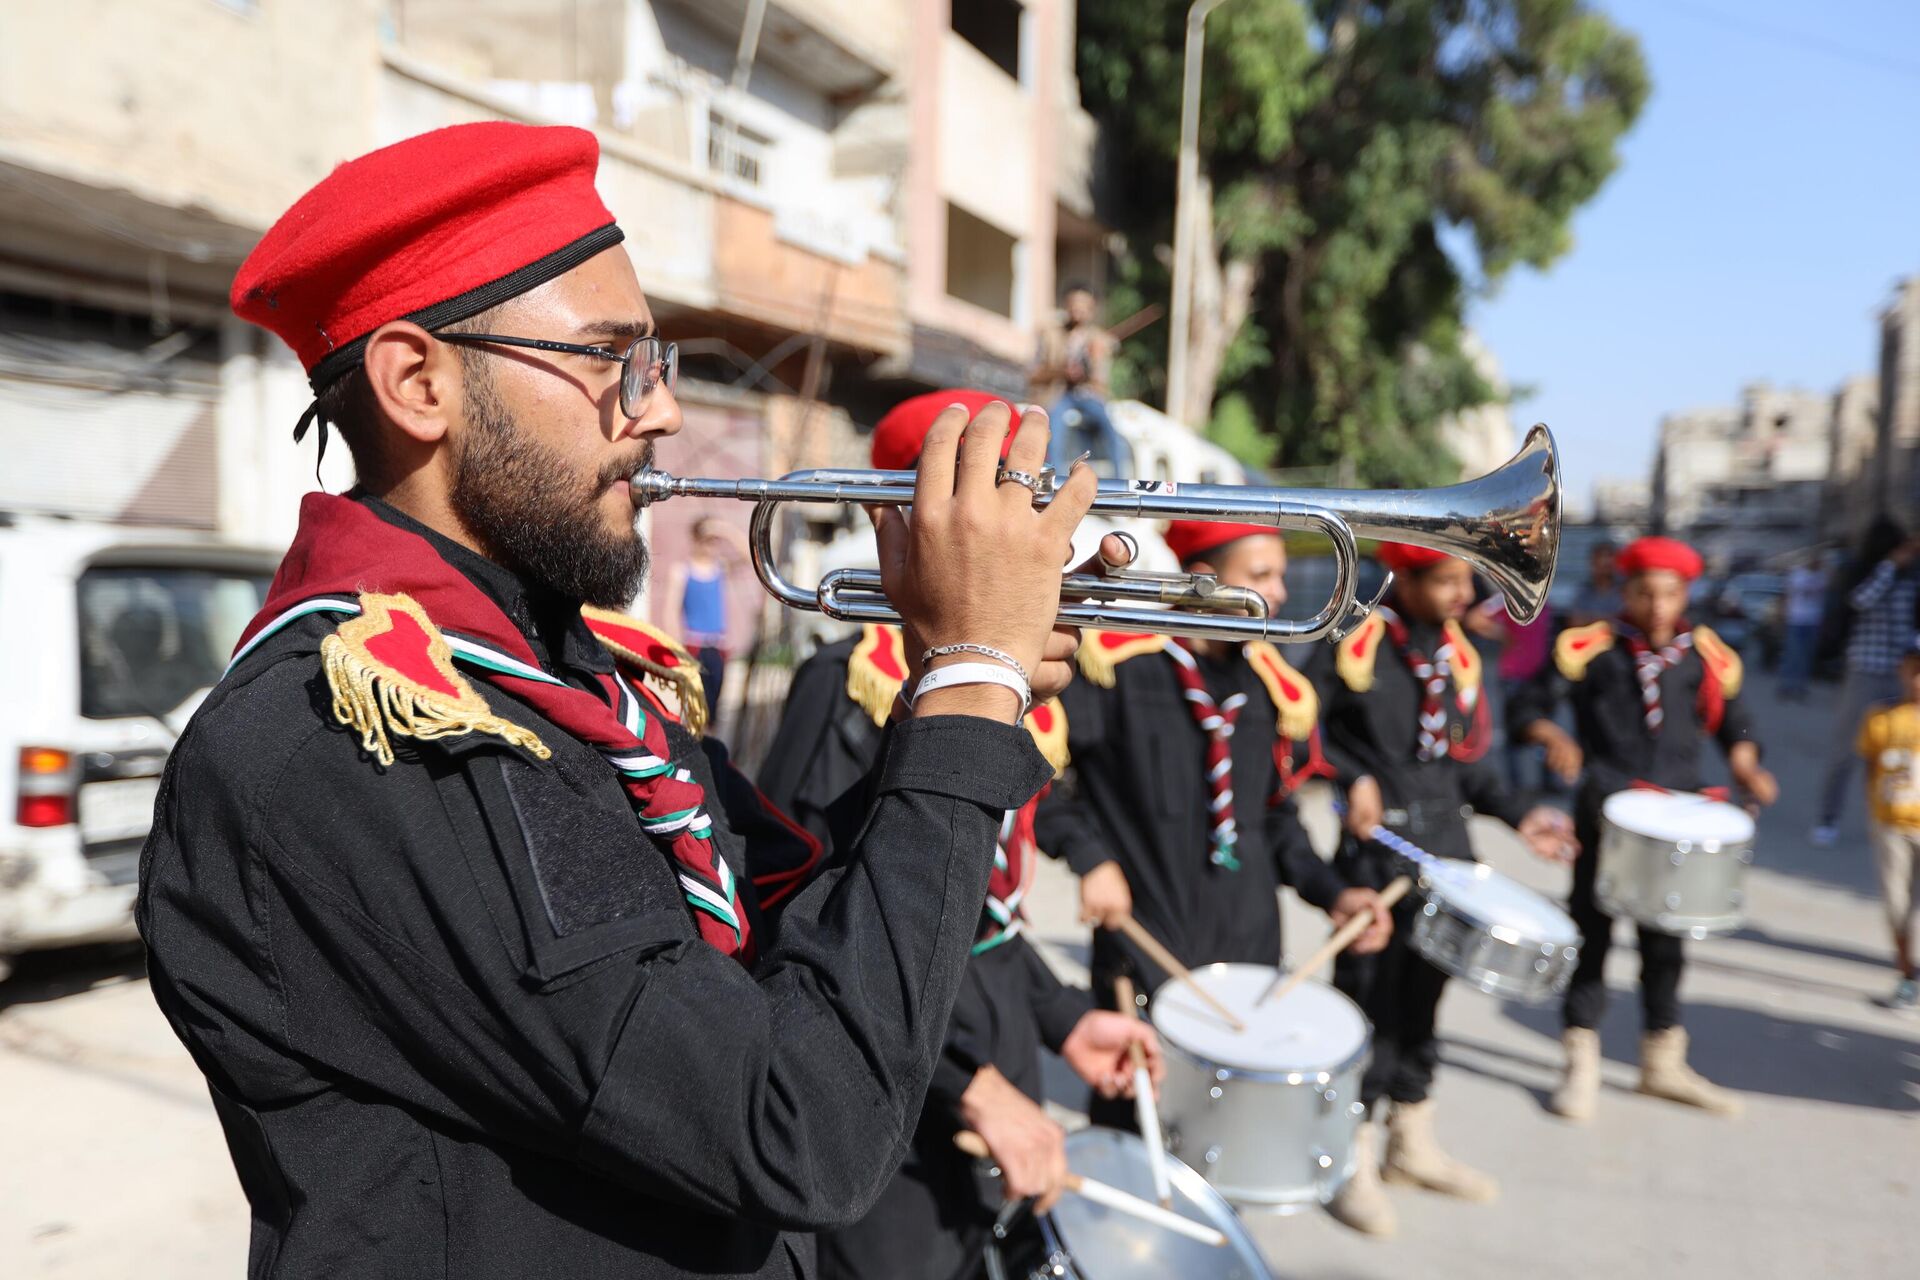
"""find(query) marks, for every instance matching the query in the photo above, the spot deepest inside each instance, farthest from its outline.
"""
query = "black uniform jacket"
(934, 1217)
(1376, 734)
(455, 1015)
(1136, 793)
(1610, 723)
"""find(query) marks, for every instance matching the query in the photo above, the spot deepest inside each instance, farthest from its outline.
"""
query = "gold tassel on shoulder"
(392, 674)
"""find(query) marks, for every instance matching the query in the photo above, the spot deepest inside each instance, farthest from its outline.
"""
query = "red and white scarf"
(1216, 720)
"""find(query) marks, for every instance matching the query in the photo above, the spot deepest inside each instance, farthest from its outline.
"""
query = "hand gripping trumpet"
(1506, 524)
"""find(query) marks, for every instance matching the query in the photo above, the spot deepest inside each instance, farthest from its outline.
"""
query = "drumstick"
(1112, 1197)
(1143, 1103)
(1138, 935)
(1342, 939)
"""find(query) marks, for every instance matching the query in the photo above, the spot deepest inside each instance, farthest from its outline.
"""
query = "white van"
(109, 638)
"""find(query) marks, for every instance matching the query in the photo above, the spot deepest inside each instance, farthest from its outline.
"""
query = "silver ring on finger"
(1026, 479)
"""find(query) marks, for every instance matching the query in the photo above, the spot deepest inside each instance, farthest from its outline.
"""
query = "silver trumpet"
(1506, 524)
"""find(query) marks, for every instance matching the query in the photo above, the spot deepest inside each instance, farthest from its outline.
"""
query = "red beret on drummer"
(1190, 540)
(898, 437)
(1645, 555)
(1405, 559)
(434, 229)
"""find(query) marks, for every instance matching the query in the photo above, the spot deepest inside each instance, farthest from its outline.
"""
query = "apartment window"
(980, 262)
(992, 27)
(737, 154)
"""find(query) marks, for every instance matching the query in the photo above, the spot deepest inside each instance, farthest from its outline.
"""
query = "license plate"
(117, 810)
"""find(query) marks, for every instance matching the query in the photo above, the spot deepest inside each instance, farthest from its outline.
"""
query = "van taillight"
(46, 791)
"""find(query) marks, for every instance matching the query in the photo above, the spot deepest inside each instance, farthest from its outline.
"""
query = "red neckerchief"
(1216, 721)
(1435, 675)
(343, 548)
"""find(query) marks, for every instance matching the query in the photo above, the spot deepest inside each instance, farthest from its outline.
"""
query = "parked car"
(1748, 614)
(109, 638)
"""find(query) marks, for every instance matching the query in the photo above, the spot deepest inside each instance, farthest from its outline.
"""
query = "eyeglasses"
(646, 363)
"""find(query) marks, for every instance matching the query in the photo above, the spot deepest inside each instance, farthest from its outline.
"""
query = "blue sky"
(1766, 202)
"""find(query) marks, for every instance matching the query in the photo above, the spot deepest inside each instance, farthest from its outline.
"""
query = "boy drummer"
(1175, 808)
(1408, 733)
(1646, 688)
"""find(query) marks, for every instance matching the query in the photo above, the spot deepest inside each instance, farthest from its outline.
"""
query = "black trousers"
(1662, 955)
(1397, 989)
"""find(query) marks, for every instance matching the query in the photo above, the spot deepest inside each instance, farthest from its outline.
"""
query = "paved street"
(118, 1169)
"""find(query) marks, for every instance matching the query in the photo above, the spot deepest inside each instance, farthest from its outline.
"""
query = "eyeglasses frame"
(668, 360)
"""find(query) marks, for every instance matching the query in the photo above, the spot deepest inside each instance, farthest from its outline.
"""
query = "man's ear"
(414, 378)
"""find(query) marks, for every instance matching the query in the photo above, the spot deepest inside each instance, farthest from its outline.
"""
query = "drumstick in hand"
(1143, 1104)
(1342, 939)
(1138, 935)
(1112, 1197)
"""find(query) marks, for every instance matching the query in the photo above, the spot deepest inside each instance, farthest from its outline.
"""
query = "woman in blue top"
(700, 583)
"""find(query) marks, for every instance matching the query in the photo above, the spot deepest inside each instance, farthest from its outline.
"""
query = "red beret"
(898, 436)
(1191, 539)
(433, 230)
(1404, 558)
(1643, 555)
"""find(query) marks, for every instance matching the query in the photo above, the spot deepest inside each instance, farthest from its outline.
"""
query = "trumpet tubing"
(1505, 523)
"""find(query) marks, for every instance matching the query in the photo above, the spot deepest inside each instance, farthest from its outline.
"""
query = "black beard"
(517, 497)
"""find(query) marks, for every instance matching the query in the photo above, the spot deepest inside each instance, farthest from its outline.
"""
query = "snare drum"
(1081, 1240)
(1267, 1114)
(1674, 862)
(1493, 932)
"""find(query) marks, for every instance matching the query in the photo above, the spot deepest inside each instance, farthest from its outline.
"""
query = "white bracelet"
(961, 673)
(985, 651)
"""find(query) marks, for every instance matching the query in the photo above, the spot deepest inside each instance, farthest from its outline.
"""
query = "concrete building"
(1622, 501)
(1483, 438)
(875, 198)
(1898, 436)
(1855, 483)
(1745, 483)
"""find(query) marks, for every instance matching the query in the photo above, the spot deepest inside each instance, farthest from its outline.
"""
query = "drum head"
(1673, 817)
(1498, 903)
(1312, 1028)
(1106, 1244)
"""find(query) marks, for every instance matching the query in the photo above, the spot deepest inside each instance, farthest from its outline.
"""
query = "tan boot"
(1362, 1203)
(1579, 1089)
(1664, 1073)
(1414, 1157)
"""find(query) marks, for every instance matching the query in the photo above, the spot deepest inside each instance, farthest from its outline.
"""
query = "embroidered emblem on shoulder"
(876, 670)
(1354, 659)
(655, 657)
(1721, 659)
(1465, 663)
(1047, 722)
(1102, 652)
(1577, 647)
(392, 674)
(1292, 693)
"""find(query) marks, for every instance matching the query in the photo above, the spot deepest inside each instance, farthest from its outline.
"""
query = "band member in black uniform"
(1173, 807)
(934, 1218)
(460, 925)
(1647, 690)
(1408, 730)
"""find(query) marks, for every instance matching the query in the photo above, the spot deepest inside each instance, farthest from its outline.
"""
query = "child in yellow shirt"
(1890, 743)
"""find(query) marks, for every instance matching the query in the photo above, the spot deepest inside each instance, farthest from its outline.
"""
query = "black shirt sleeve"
(1298, 864)
(1064, 823)
(1057, 1007)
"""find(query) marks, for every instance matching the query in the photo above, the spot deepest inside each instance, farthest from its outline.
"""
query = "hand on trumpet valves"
(974, 562)
(1549, 833)
(1029, 1147)
(1353, 902)
(1097, 1049)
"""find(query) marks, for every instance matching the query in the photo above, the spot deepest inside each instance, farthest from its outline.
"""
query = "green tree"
(1339, 139)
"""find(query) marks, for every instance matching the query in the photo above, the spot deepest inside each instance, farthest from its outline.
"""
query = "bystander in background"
(1890, 744)
(1880, 626)
(1804, 608)
(1071, 373)
(1599, 600)
(700, 586)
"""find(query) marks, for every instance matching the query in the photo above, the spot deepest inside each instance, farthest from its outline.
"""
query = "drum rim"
(1262, 1075)
(1188, 1181)
(1454, 907)
(1609, 822)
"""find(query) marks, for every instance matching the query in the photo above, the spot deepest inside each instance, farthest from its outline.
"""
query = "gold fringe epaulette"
(1292, 693)
(1721, 659)
(1102, 652)
(1466, 662)
(1353, 661)
(392, 675)
(1577, 647)
(656, 657)
(876, 670)
(1047, 722)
